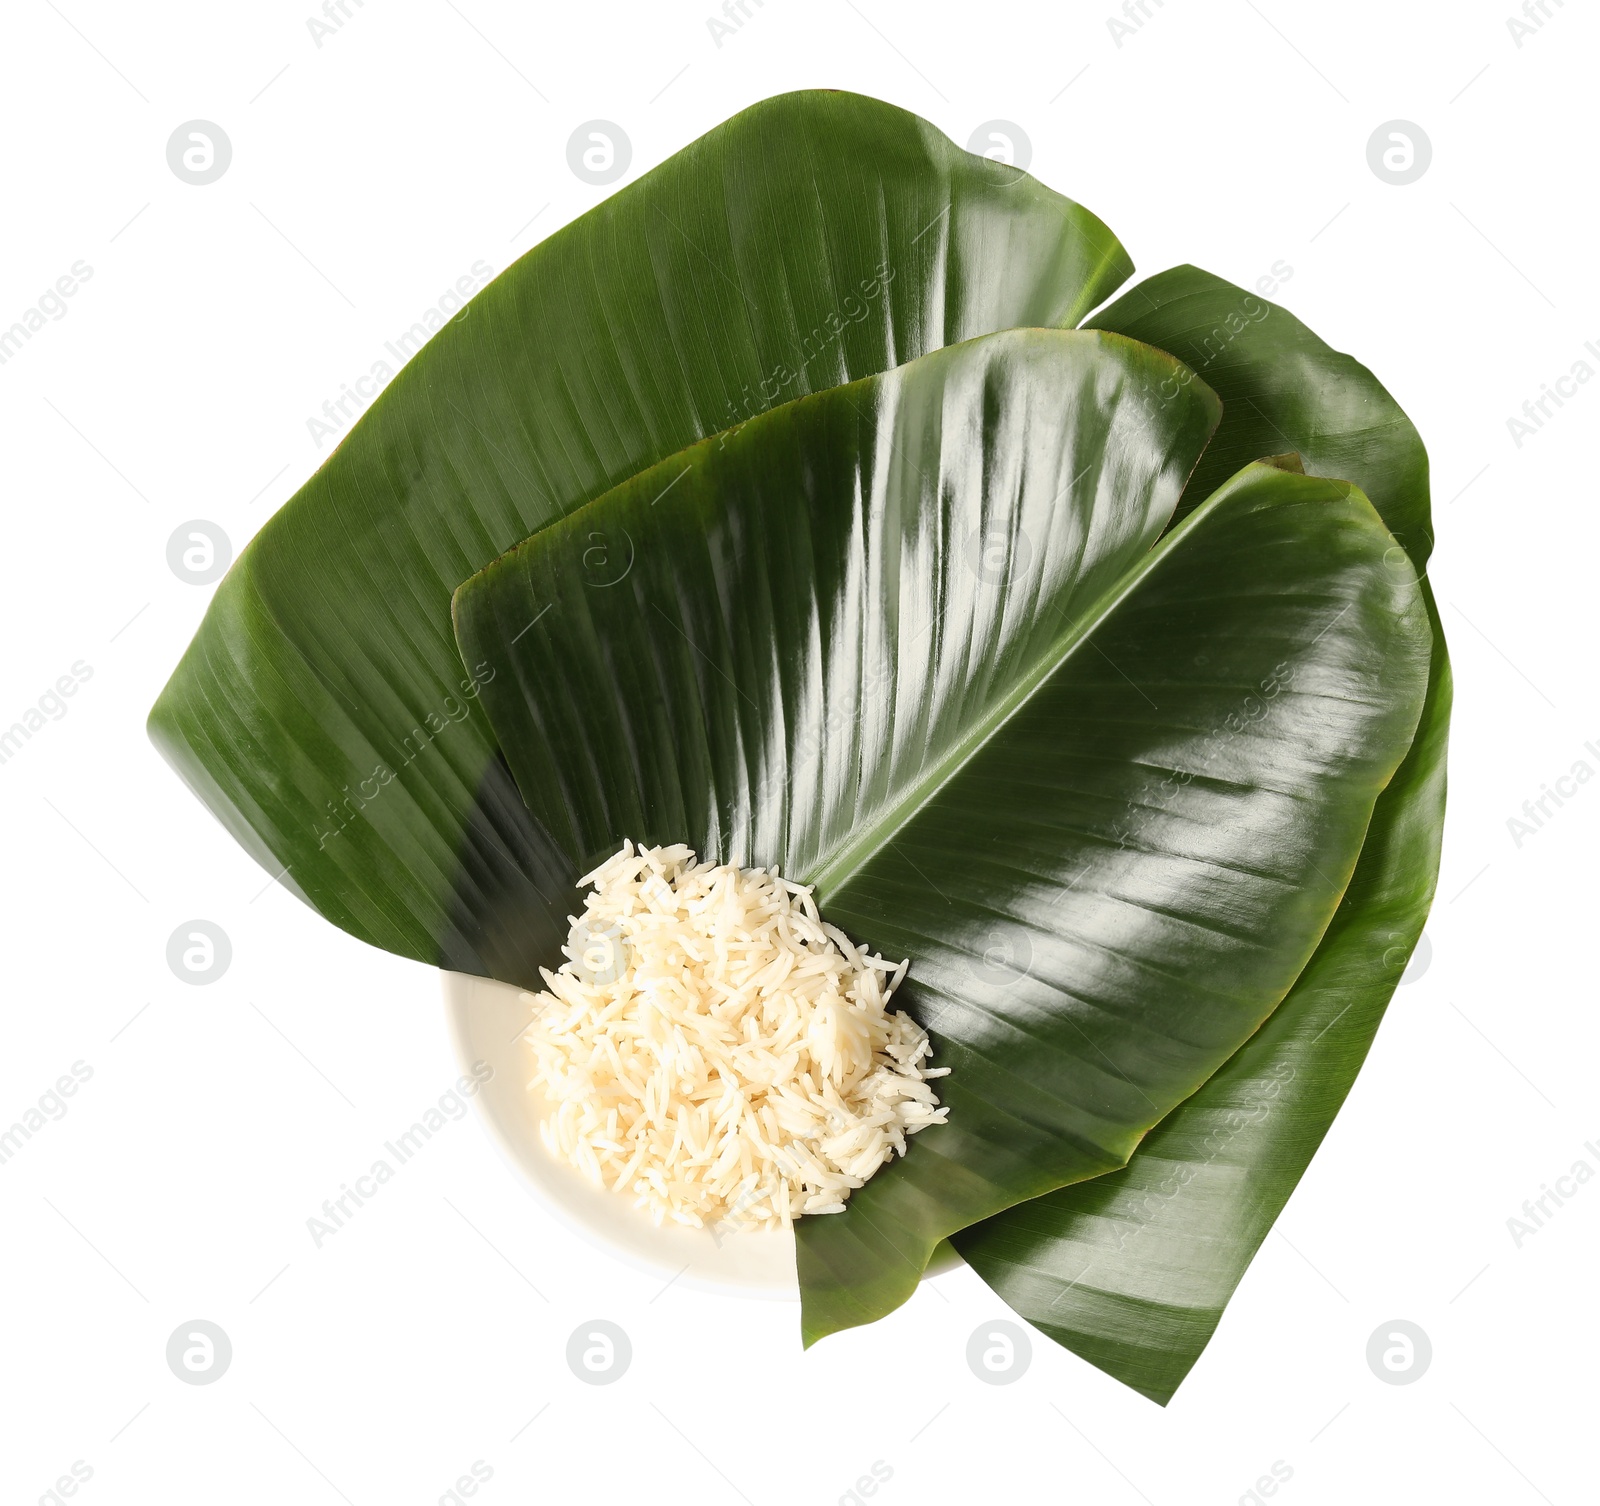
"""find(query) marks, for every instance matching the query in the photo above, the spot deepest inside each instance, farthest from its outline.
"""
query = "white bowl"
(486, 1021)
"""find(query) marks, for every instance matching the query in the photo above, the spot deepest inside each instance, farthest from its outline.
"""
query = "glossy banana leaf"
(1283, 389)
(1133, 1271)
(322, 712)
(908, 638)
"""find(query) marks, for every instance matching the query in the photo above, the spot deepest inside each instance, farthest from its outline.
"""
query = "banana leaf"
(1152, 768)
(1133, 1271)
(322, 712)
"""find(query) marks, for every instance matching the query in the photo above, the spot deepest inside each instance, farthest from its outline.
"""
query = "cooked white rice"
(716, 1049)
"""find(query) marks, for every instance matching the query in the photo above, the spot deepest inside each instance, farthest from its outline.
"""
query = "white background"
(368, 174)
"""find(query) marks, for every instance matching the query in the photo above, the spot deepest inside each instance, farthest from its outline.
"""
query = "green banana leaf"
(322, 712)
(1133, 1271)
(1153, 768)
(1282, 389)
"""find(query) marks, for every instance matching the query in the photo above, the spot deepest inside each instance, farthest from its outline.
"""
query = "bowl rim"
(480, 1016)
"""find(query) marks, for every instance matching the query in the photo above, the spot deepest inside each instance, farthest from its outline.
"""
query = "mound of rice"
(716, 1049)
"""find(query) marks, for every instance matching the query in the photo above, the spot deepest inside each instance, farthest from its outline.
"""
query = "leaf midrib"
(854, 855)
